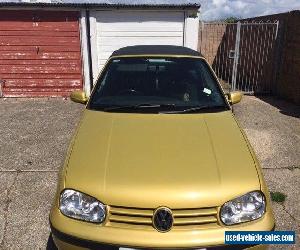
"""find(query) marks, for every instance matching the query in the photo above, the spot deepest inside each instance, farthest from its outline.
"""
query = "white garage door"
(115, 29)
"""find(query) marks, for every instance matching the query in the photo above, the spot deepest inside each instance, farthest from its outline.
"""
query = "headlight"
(248, 207)
(81, 206)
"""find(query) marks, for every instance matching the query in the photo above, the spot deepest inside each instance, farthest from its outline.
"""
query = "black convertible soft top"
(155, 50)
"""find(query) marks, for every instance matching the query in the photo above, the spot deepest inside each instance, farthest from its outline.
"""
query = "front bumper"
(66, 242)
(74, 234)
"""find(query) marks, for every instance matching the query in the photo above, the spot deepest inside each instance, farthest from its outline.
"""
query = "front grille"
(190, 219)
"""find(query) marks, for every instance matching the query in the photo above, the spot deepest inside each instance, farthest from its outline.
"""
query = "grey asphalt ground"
(273, 129)
(35, 133)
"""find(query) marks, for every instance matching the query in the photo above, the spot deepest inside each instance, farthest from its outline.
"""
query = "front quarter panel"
(263, 185)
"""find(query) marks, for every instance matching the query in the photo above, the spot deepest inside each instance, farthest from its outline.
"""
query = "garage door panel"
(38, 15)
(60, 92)
(40, 89)
(107, 50)
(116, 29)
(40, 76)
(41, 62)
(40, 53)
(150, 40)
(42, 48)
(140, 34)
(21, 33)
(28, 40)
(136, 16)
(102, 62)
(38, 27)
(141, 27)
(45, 69)
(45, 55)
(105, 54)
(43, 82)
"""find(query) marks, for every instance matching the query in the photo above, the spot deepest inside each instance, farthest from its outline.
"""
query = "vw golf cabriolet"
(158, 160)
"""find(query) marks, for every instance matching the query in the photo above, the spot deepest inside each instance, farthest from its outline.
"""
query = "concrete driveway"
(34, 135)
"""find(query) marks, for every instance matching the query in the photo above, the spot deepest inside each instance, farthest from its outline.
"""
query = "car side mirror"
(79, 96)
(234, 97)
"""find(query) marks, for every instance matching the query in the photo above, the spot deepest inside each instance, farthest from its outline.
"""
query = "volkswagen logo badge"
(162, 219)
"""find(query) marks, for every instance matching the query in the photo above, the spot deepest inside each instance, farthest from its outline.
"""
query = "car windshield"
(157, 85)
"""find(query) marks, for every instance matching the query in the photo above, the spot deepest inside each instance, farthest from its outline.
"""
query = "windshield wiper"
(194, 109)
(139, 106)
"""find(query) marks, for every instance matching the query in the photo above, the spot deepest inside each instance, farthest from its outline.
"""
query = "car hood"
(151, 160)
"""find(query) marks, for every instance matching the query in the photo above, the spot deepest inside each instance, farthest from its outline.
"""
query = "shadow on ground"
(284, 107)
(50, 244)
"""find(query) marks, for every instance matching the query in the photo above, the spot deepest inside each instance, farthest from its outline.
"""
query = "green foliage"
(278, 196)
(231, 19)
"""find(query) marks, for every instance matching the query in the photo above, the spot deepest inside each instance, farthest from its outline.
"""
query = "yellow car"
(158, 160)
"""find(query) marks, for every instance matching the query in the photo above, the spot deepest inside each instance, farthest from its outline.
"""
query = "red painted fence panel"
(39, 53)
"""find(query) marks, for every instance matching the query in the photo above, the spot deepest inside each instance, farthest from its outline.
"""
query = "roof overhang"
(195, 4)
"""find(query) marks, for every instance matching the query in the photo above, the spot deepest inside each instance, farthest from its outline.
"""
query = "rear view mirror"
(79, 96)
(234, 97)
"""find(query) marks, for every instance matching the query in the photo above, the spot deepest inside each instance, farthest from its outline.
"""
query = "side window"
(209, 84)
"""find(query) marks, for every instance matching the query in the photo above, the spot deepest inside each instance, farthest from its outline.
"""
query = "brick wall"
(289, 77)
(281, 70)
(288, 54)
(215, 41)
(211, 38)
(256, 52)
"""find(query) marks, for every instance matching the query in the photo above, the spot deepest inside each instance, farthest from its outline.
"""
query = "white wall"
(84, 53)
(191, 29)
